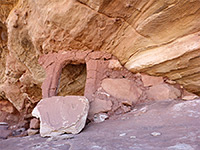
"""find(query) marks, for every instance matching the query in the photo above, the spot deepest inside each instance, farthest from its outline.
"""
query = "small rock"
(100, 117)
(189, 96)
(134, 110)
(3, 126)
(124, 118)
(170, 81)
(18, 132)
(5, 133)
(122, 134)
(3, 123)
(32, 131)
(143, 109)
(151, 80)
(132, 137)
(60, 137)
(114, 64)
(98, 106)
(155, 133)
(35, 123)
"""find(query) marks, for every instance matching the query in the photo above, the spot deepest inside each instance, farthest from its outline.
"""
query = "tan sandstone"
(155, 37)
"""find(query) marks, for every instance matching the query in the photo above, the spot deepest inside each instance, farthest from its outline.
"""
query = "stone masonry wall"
(110, 88)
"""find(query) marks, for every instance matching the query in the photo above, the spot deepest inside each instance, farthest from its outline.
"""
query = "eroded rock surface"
(5, 8)
(60, 115)
(156, 37)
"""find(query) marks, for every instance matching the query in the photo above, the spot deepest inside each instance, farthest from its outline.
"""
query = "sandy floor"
(166, 125)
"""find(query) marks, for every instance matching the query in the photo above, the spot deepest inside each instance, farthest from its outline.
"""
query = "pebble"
(134, 110)
(20, 131)
(101, 117)
(155, 133)
(32, 131)
(122, 134)
(132, 137)
(144, 109)
(124, 118)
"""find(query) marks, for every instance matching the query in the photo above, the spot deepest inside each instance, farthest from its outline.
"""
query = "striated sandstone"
(5, 7)
(156, 37)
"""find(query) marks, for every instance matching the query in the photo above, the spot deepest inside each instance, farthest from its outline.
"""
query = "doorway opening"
(72, 80)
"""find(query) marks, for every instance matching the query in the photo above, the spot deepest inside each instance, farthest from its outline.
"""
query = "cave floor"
(164, 125)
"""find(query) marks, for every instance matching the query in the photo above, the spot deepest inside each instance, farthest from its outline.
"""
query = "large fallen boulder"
(60, 115)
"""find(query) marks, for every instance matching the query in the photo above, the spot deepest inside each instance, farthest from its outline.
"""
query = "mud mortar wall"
(110, 88)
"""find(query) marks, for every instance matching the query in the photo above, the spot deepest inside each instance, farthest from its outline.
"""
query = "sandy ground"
(165, 125)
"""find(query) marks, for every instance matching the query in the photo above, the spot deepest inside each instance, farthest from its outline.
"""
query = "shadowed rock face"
(72, 80)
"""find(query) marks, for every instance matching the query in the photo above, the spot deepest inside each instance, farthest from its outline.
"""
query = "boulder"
(163, 92)
(189, 96)
(60, 115)
(151, 80)
(98, 106)
(123, 89)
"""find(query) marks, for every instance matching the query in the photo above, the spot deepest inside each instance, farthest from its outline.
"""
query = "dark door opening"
(72, 80)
